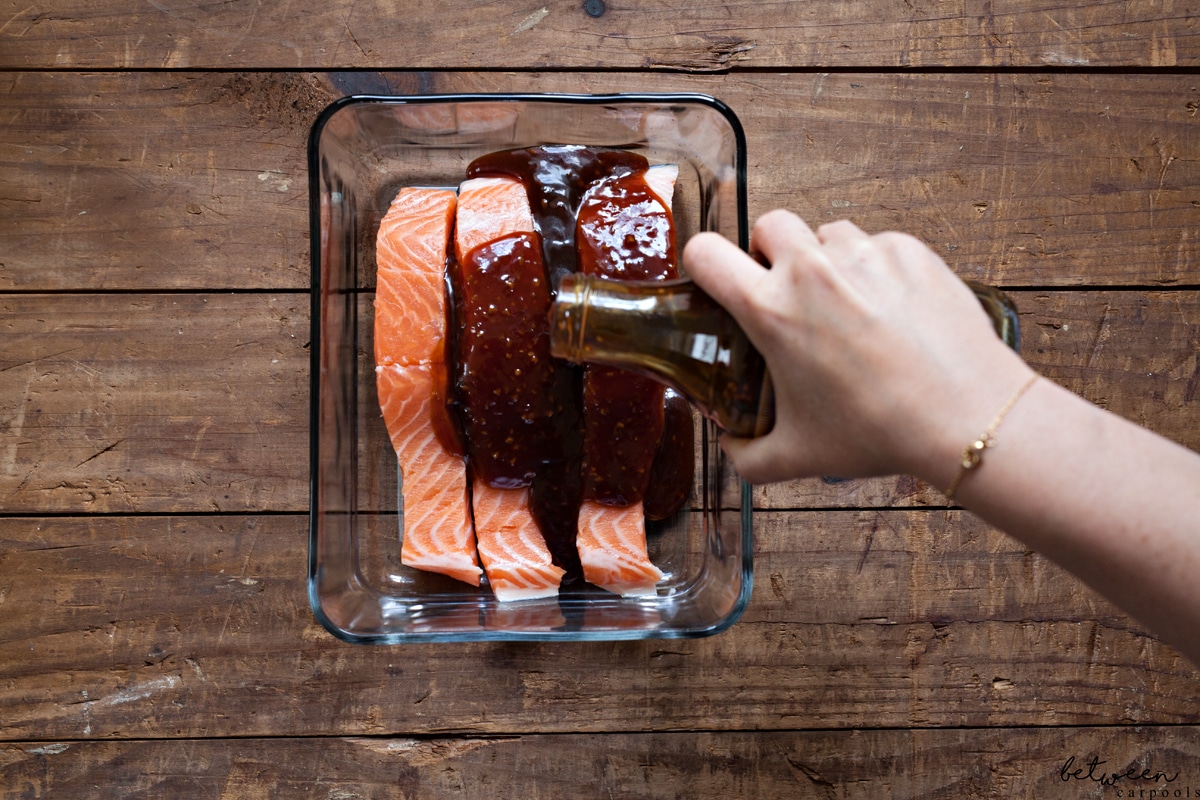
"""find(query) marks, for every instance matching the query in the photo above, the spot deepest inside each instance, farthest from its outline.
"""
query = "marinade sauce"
(556, 177)
(504, 366)
(674, 466)
(507, 393)
(624, 231)
(521, 411)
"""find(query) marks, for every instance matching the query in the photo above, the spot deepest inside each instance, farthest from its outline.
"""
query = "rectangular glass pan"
(362, 150)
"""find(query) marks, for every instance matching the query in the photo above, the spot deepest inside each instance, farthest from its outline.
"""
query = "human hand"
(883, 361)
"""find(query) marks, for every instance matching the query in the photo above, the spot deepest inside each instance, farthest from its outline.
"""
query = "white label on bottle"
(704, 347)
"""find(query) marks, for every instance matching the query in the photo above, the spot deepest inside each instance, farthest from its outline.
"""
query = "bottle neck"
(670, 331)
(617, 322)
(569, 317)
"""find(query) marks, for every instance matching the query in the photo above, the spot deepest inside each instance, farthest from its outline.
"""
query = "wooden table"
(155, 636)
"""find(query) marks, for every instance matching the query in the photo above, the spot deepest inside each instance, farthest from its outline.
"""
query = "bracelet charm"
(972, 455)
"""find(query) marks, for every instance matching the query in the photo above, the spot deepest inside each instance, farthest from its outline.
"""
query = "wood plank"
(112, 403)
(168, 181)
(142, 403)
(799, 764)
(651, 36)
(144, 181)
(132, 627)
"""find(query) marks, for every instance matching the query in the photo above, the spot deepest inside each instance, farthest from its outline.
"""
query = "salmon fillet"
(661, 179)
(612, 547)
(438, 531)
(410, 323)
(410, 288)
(619, 441)
(447, 528)
(512, 549)
(489, 209)
(511, 545)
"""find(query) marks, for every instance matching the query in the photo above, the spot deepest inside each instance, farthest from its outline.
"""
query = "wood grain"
(903, 765)
(182, 627)
(120, 403)
(143, 181)
(155, 635)
(198, 402)
(137, 181)
(650, 36)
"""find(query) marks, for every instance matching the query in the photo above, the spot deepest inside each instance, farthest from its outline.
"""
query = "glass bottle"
(674, 332)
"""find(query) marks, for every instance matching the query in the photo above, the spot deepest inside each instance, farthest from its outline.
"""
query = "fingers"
(721, 269)
(714, 262)
(836, 253)
(841, 232)
(916, 259)
(845, 244)
(779, 232)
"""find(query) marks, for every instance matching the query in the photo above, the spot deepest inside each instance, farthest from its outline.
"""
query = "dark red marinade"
(624, 231)
(504, 367)
(567, 432)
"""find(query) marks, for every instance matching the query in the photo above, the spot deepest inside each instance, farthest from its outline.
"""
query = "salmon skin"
(506, 375)
(410, 320)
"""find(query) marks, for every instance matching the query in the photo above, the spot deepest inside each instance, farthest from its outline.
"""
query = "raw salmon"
(623, 413)
(489, 209)
(511, 545)
(612, 547)
(410, 288)
(447, 528)
(504, 353)
(409, 355)
(438, 534)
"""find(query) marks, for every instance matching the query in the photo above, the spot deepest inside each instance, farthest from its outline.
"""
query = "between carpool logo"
(1134, 781)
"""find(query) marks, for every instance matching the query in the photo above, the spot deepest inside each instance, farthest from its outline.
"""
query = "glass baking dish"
(361, 151)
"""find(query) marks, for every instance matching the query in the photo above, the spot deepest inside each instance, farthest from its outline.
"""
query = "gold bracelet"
(972, 454)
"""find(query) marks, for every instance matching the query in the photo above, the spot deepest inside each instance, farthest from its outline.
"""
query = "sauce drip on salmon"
(577, 434)
(580, 455)
(624, 231)
(505, 372)
(556, 177)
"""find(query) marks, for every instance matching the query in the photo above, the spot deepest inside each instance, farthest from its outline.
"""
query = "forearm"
(1110, 501)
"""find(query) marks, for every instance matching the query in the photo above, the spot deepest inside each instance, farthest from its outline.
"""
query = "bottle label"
(704, 348)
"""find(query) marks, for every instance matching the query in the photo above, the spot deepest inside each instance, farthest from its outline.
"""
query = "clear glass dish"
(361, 151)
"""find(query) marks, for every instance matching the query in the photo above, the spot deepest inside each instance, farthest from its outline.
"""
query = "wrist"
(969, 409)
(972, 454)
